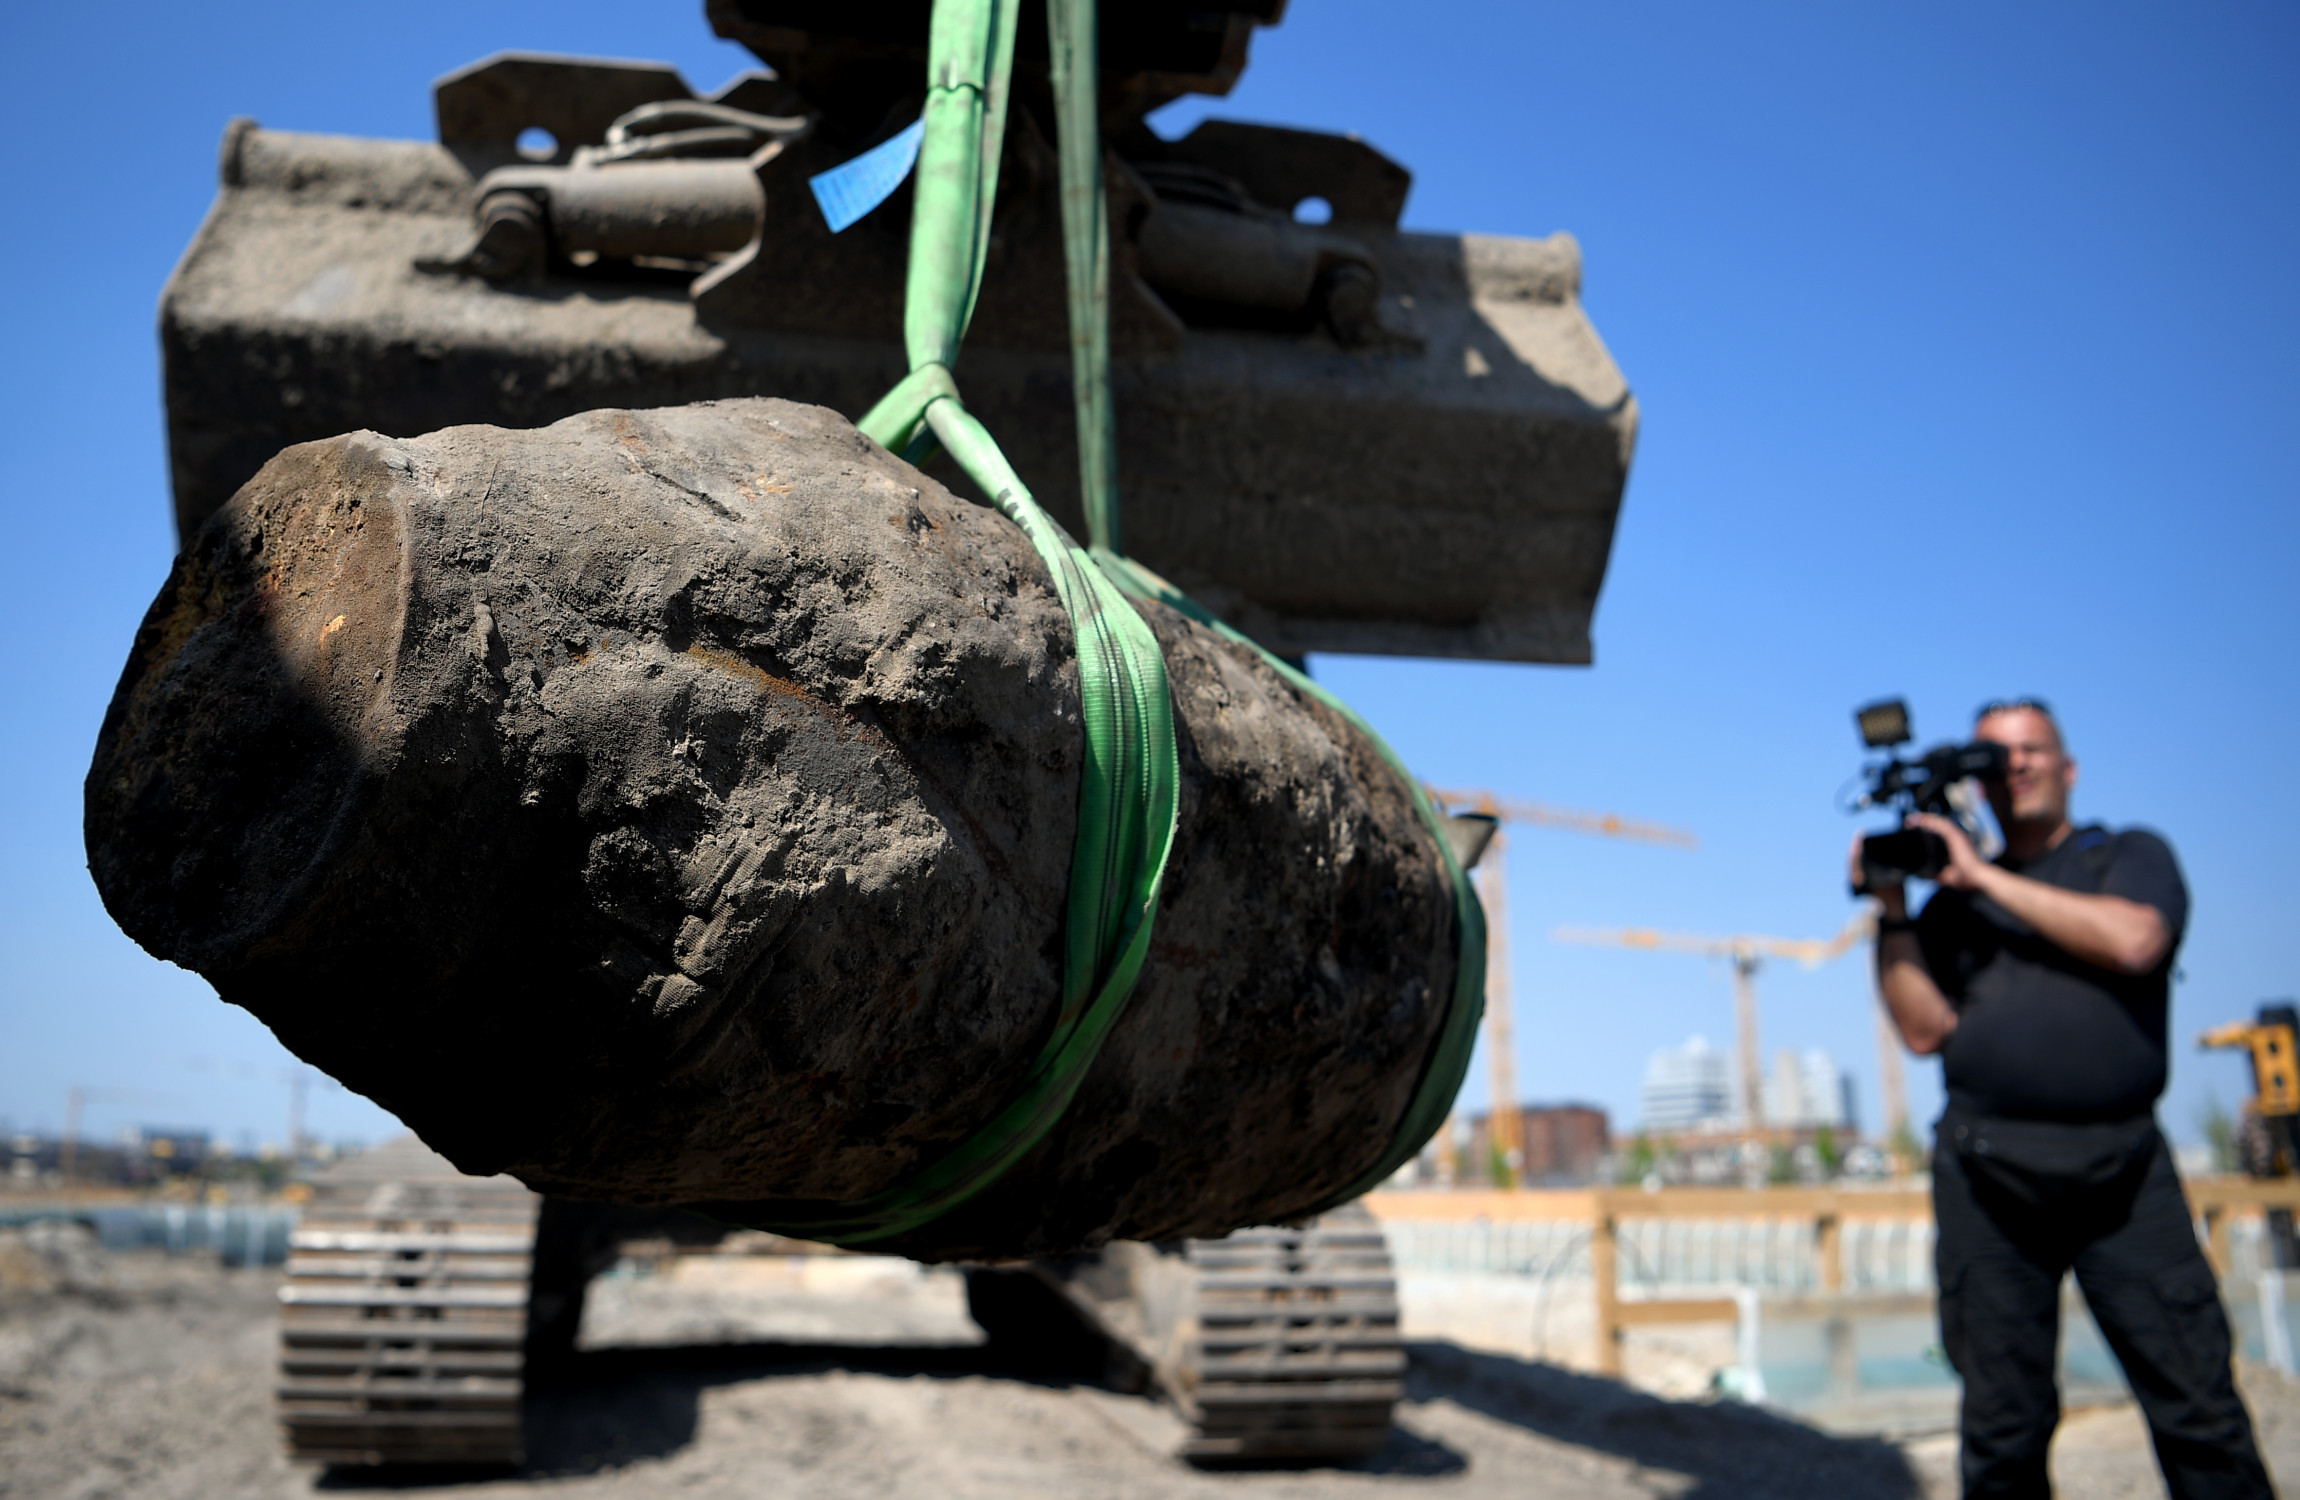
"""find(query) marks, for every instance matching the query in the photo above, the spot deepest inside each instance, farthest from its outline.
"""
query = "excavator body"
(1341, 436)
(1337, 433)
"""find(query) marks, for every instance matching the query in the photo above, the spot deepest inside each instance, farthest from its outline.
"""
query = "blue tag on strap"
(849, 191)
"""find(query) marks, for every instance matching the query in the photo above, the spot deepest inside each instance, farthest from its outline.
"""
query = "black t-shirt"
(2041, 1034)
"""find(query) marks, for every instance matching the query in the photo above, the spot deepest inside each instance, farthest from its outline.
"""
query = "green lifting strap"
(1129, 777)
(1073, 45)
(1449, 1058)
(1127, 789)
(1086, 257)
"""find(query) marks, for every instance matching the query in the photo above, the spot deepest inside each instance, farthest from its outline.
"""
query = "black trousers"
(2000, 1257)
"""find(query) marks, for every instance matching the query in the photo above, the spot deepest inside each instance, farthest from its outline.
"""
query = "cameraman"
(2042, 979)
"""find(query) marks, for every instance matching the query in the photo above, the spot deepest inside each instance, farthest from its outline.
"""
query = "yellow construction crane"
(1491, 875)
(1572, 820)
(77, 1098)
(1747, 953)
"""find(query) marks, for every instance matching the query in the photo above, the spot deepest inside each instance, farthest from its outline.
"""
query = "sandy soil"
(137, 1375)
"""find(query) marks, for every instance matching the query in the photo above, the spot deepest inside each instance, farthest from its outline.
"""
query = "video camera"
(1939, 781)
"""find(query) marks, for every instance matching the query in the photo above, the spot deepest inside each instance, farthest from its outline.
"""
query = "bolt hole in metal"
(537, 144)
(1313, 210)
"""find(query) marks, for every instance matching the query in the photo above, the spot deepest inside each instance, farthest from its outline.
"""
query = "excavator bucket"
(1341, 436)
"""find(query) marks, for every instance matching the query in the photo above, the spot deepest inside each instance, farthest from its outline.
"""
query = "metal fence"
(1680, 1255)
(238, 1234)
(1774, 1255)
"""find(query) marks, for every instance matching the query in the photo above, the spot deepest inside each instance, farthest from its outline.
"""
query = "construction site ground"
(142, 1375)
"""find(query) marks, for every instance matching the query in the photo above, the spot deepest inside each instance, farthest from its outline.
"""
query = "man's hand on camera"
(2111, 931)
(1892, 895)
(1924, 1017)
(1966, 870)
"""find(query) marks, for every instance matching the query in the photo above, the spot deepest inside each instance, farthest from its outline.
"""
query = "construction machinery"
(403, 1323)
(420, 1304)
(2268, 1130)
(1492, 876)
(1338, 434)
(1747, 953)
(1278, 1343)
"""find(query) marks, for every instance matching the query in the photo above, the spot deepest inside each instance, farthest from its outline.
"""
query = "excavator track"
(1274, 1344)
(1297, 1354)
(404, 1317)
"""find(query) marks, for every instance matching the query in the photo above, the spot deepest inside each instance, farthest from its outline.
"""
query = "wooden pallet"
(404, 1317)
(1298, 1355)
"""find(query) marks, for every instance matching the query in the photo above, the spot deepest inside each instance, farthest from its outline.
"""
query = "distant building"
(1808, 1091)
(1562, 1145)
(1686, 1088)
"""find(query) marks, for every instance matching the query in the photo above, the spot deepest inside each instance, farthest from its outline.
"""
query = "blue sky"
(1964, 338)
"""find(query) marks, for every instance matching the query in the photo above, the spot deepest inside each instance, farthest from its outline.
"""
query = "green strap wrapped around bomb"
(706, 858)
(678, 806)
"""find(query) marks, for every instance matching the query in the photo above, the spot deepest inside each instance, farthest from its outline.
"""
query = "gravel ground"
(141, 1376)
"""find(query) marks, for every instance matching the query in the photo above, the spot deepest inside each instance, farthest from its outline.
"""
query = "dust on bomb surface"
(137, 1374)
(679, 806)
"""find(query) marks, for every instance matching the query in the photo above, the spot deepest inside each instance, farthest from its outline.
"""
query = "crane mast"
(1747, 953)
(1506, 1117)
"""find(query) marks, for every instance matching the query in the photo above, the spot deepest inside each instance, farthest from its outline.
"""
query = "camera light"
(1884, 723)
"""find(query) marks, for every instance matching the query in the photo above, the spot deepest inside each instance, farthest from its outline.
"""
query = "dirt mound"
(50, 1255)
